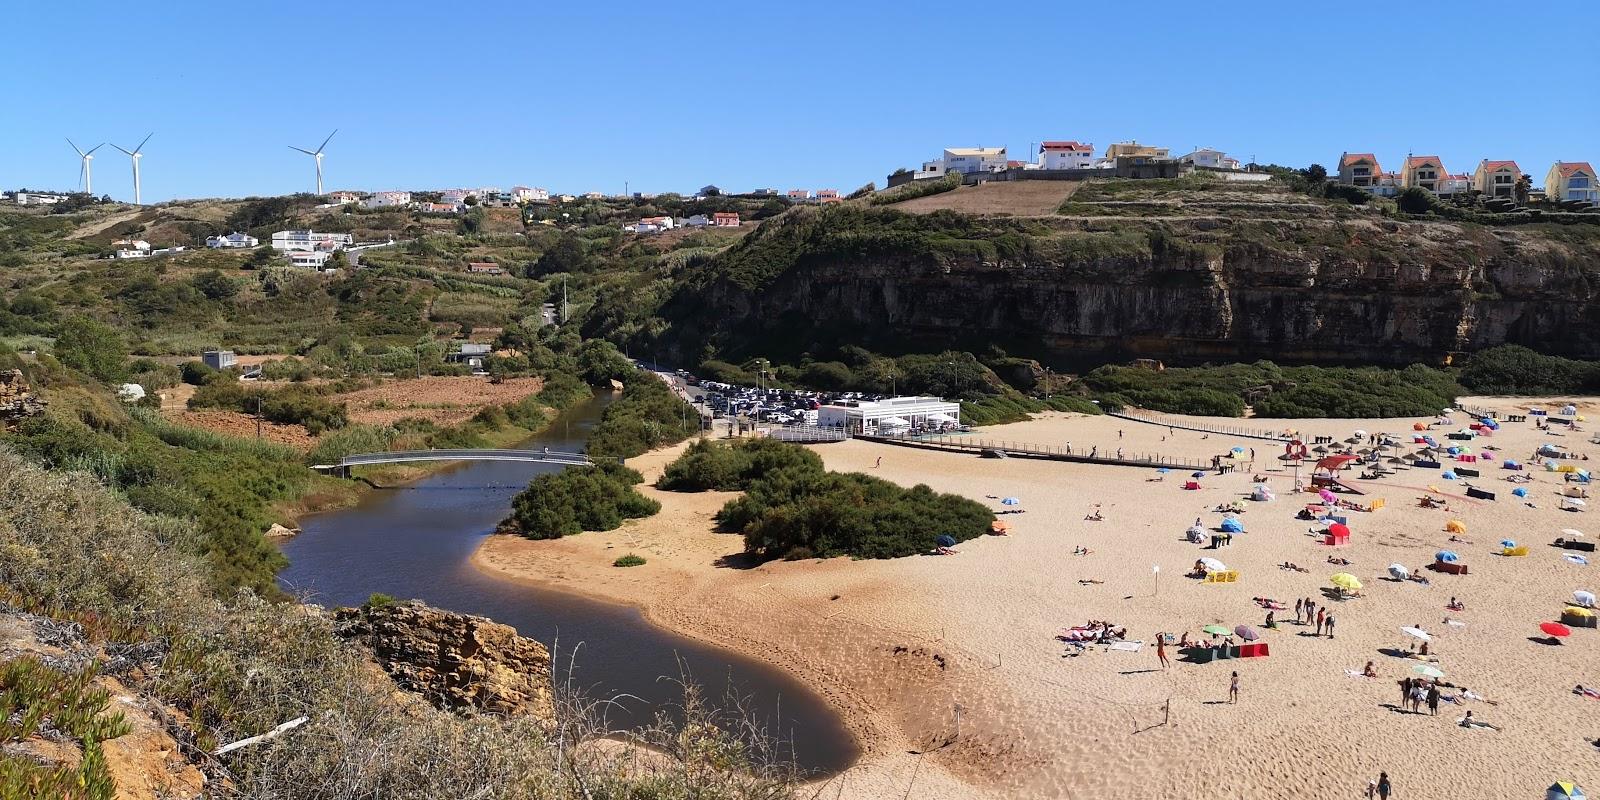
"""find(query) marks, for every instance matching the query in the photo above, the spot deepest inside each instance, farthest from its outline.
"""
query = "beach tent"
(1213, 565)
(1508, 542)
(1399, 572)
(946, 540)
(1448, 475)
(1569, 410)
(1455, 526)
(1519, 492)
(1490, 423)
(1564, 790)
(1232, 525)
(1446, 556)
(1583, 598)
(1261, 493)
(1417, 426)
(1511, 463)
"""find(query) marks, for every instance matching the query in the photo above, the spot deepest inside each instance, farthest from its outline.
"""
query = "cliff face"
(1354, 291)
(457, 661)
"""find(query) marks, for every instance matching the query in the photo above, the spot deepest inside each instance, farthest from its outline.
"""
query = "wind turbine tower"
(86, 171)
(317, 154)
(135, 154)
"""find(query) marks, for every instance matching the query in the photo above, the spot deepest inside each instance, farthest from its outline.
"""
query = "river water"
(416, 542)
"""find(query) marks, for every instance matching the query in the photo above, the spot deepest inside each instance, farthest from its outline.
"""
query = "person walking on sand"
(1299, 605)
(1433, 698)
(1384, 787)
(1161, 650)
(879, 463)
(1321, 615)
(1233, 688)
(1330, 626)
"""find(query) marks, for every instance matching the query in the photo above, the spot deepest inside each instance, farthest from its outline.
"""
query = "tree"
(566, 255)
(1316, 174)
(93, 348)
(336, 260)
(470, 200)
(1415, 200)
(1520, 190)
(262, 256)
(215, 285)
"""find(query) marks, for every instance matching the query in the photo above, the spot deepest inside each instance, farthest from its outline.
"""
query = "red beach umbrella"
(1555, 629)
(1339, 529)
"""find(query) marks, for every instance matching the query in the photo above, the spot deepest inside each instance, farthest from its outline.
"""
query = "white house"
(1208, 158)
(232, 241)
(1572, 181)
(307, 241)
(650, 225)
(387, 200)
(344, 198)
(965, 160)
(438, 208)
(1458, 183)
(696, 221)
(893, 414)
(310, 259)
(1065, 155)
(133, 253)
(38, 199)
(132, 248)
(527, 194)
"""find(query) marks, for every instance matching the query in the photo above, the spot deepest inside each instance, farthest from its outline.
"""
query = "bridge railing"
(478, 454)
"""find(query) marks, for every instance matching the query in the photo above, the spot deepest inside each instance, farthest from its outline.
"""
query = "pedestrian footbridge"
(342, 468)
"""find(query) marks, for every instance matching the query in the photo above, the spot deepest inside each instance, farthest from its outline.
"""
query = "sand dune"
(898, 646)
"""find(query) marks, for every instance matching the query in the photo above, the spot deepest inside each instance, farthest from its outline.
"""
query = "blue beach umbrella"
(1519, 492)
(1163, 471)
(1449, 476)
(1011, 501)
(946, 540)
(1508, 543)
(1232, 525)
(1447, 556)
(1197, 475)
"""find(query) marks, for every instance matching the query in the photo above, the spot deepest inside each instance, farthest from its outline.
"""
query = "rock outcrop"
(457, 661)
(17, 401)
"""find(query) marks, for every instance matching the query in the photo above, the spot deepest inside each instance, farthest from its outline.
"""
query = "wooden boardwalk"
(976, 446)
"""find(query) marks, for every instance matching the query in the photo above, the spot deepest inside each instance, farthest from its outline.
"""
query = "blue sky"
(671, 96)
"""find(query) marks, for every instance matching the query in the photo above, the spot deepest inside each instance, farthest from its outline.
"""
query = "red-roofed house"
(1358, 169)
(1570, 181)
(1066, 155)
(799, 195)
(1423, 172)
(1459, 183)
(725, 219)
(1496, 178)
(827, 196)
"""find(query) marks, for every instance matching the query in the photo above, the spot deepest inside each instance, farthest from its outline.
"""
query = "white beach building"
(891, 415)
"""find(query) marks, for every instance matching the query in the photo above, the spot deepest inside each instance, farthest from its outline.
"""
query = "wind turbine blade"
(120, 148)
(302, 149)
(96, 147)
(77, 148)
(146, 139)
(325, 141)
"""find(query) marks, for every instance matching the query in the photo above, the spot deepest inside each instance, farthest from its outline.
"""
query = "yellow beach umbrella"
(1578, 611)
(1455, 526)
(1345, 580)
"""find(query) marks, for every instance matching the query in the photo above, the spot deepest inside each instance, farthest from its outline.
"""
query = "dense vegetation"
(1274, 391)
(713, 466)
(1513, 369)
(292, 405)
(646, 416)
(921, 188)
(578, 499)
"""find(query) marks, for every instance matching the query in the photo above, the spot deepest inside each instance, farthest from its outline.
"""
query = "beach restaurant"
(894, 415)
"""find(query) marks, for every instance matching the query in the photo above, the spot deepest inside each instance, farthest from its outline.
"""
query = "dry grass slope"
(1007, 198)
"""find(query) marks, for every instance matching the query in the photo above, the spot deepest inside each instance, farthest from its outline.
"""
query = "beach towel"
(1131, 647)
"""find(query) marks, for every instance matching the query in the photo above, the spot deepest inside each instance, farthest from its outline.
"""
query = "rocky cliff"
(17, 401)
(1342, 286)
(456, 661)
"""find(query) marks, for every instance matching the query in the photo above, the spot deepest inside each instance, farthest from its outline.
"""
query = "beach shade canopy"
(1583, 598)
(1455, 526)
(1232, 525)
(1335, 462)
(1578, 611)
(941, 418)
(1511, 463)
(1571, 532)
(1213, 565)
(1417, 633)
(1447, 556)
(1197, 474)
(1319, 449)
(1215, 630)
(946, 540)
(1564, 790)
(1555, 629)
(1417, 426)
(1246, 633)
(1163, 471)
(1328, 497)
(1448, 475)
(1399, 571)
(1011, 501)
(1339, 529)
(1574, 558)
(1508, 542)
(1428, 671)
(1359, 433)
(1519, 492)
(999, 526)
(1345, 580)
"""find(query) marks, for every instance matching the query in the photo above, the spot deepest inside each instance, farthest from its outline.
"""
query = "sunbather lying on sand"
(1343, 562)
(1469, 722)
(1080, 550)
(1095, 516)
(1293, 566)
(1086, 581)
(1267, 602)
(1585, 691)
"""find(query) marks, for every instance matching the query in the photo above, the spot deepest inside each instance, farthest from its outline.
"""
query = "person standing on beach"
(1384, 788)
(1433, 698)
(1233, 688)
(1299, 605)
(1330, 626)
(1320, 616)
(879, 463)
(1161, 650)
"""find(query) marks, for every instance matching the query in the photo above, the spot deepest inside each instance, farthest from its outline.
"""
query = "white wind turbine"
(86, 172)
(135, 154)
(317, 154)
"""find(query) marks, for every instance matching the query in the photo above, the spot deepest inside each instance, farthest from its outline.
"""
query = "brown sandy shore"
(896, 646)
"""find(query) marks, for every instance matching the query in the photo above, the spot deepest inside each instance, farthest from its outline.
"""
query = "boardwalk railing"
(1184, 423)
(804, 434)
(973, 444)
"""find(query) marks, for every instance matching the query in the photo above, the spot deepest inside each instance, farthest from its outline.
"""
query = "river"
(416, 542)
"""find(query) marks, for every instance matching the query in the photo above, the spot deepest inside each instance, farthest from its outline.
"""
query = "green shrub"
(1287, 392)
(646, 416)
(36, 699)
(293, 405)
(922, 188)
(629, 560)
(712, 466)
(1513, 369)
(799, 512)
(578, 499)
(379, 600)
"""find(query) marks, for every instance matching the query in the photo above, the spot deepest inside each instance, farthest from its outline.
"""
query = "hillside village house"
(527, 194)
(1207, 158)
(1459, 183)
(1358, 169)
(307, 241)
(799, 195)
(650, 225)
(1066, 155)
(344, 198)
(1132, 148)
(438, 208)
(1570, 181)
(132, 248)
(387, 200)
(309, 259)
(696, 221)
(1423, 172)
(232, 241)
(965, 160)
(1496, 178)
(484, 268)
(725, 219)
(828, 196)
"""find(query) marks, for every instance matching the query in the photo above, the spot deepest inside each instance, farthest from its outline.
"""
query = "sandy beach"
(949, 672)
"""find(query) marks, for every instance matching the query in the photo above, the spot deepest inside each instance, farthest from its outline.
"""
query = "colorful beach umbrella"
(1246, 633)
(1555, 629)
(1428, 671)
(1339, 529)
(1011, 501)
(1345, 580)
(1215, 630)
(1447, 556)
(1449, 476)
(1197, 474)
(1163, 471)
(1508, 542)
(946, 540)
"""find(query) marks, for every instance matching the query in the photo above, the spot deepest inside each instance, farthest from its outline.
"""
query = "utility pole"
(563, 301)
(1047, 384)
(258, 416)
